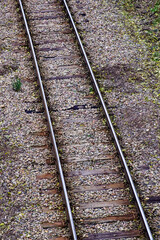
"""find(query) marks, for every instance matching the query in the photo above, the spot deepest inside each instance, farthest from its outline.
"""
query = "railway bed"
(101, 203)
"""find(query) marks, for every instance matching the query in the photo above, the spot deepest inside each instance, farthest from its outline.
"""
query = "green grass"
(145, 24)
(16, 84)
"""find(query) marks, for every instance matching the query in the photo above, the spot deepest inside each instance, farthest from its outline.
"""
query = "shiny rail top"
(127, 172)
(66, 199)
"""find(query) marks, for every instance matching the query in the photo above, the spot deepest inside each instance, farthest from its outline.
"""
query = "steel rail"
(72, 226)
(128, 175)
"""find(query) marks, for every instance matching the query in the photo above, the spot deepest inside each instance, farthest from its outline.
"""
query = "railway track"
(96, 195)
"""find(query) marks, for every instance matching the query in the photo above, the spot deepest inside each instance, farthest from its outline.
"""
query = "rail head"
(127, 172)
(66, 199)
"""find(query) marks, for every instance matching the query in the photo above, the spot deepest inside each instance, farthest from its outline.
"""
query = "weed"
(91, 90)
(102, 90)
(16, 84)
(156, 7)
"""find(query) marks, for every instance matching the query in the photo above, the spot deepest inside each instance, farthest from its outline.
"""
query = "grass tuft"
(16, 84)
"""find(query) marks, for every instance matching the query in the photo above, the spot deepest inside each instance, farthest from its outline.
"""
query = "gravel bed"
(31, 194)
(122, 60)
(25, 147)
(95, 180)
(101, 195)
(71, 104)
(103, 212)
